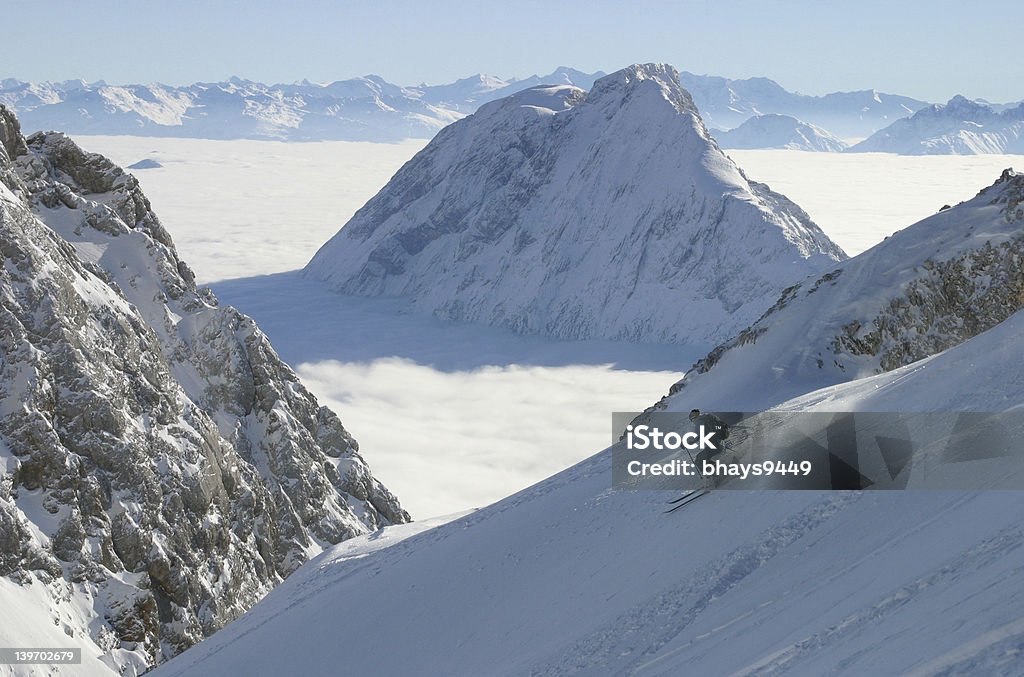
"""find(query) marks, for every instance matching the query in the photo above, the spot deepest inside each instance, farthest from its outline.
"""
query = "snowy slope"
(572, 577)
(160, 468)
(923, 290)
(727, 103)
(960, 127)
(779, 131)
(609, 214)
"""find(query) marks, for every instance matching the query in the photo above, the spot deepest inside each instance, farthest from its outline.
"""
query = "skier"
(716, 430)
(719, 432)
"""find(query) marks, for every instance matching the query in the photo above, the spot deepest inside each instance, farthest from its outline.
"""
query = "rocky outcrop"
(157, 458)
(950, 302)
(924, 290)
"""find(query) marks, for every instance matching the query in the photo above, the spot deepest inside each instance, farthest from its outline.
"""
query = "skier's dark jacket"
(719, 432)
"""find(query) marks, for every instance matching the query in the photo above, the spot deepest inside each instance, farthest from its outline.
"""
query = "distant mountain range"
(359, 109)
(960, 127)
(726, 104)
(371, 109)
(470, 93)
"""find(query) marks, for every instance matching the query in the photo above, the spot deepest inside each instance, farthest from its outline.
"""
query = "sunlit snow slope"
(603, 214)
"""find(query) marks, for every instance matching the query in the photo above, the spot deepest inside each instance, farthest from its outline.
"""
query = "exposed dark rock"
(186, 469)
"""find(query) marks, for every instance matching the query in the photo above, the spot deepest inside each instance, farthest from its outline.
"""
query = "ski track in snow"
(670, 611)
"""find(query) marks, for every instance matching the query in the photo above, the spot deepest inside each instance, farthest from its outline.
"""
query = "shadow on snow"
(307, 322)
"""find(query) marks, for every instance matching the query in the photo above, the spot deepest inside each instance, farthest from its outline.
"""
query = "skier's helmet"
(694, 413)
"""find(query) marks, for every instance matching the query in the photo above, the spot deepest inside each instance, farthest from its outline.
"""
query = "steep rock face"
(780, 131)
(610, 214)
(959, 127)
(924, 290)
(160, 468)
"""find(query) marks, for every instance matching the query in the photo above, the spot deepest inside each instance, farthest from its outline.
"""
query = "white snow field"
(572, 577)
(241, 211)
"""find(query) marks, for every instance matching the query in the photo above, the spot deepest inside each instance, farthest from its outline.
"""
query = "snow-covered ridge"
(923, 290)
(780, 131)
(160, 468)
(959, 127)
(603, 214)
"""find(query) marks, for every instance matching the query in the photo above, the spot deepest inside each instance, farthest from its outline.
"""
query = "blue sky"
(928, 49)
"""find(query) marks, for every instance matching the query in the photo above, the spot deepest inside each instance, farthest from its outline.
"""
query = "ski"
(683, 497)
(689, 498)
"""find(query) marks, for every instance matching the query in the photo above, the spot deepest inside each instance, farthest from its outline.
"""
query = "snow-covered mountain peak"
(607, 214)
(963, 107)
(642, 80)
(1008, 180)
(780, 131)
